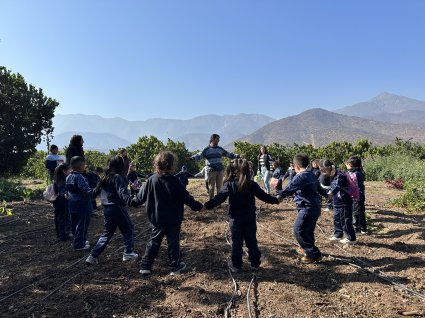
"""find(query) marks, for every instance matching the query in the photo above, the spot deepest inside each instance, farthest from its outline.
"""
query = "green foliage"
(4, 209)
(413, 198)
(35, 168)
(25, 117)
(10, 190)
(95, 159)
(144, 151)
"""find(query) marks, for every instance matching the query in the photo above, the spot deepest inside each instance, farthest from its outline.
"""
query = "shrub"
(10, 190)
(413, 198)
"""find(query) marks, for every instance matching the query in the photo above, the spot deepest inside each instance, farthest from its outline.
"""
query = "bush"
(35, 168)
(10, 190)
(413, 198)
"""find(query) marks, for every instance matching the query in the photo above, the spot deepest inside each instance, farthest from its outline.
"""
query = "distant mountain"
(194, 132)
(320, 127)
(384, 104)
(415, 117)
(93, 141)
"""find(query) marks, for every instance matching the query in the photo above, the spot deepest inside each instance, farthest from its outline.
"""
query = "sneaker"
(334, 238)
(178, 269)
(347, 241)
(129, 256)
(363, 232)
(300, 251)
(233, 268)
(86, 247)
(308, 260)
(90, 260)
(145, 271)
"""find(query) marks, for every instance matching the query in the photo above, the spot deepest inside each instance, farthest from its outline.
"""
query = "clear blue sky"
(179, 59)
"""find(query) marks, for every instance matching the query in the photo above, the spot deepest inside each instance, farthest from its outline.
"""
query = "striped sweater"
(213, 157)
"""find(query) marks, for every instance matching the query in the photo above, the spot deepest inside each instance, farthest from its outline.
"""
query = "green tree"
(25, 118)
(144, 151)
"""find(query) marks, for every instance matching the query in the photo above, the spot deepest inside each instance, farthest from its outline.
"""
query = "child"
(315, 167)
(79, 202)
(354, 165)
(342, 204)
(114, 197)
(204, 173)
(276, 181)
(241, 191)
(52, 161)
(183, 175)
(290, 173)
(61, 202)
(93, 178)
(133, 178)
(306, 188)
(165, 197)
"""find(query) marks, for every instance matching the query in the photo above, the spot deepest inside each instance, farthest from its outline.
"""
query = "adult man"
(213, 161)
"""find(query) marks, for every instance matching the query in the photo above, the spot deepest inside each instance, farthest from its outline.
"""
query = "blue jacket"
(341, 197)
(306, 188)
(79, 192)
(241, 205)
(165, 197)
(115, 192)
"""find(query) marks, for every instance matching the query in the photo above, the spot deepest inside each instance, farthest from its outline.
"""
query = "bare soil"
(41, 277)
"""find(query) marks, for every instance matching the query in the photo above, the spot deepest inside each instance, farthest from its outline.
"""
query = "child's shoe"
(178, 269)
(346, 241)
(334, 238)
(233, 268)
(129, 256)
(308, 260)
(90, 260)
(145, 271)
(86, 247)
(300, 251)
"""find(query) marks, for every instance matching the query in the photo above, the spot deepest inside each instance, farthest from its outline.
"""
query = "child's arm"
(187, 199)
(122, 189)
(219, 198)
(260, 194)
(141, 196)
(83, 186)
(293, 186)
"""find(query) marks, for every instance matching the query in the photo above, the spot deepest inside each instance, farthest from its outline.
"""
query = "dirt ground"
(41, 277)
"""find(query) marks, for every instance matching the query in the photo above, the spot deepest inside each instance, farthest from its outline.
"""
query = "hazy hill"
(388, 107)
(194, 132)
(320, 127)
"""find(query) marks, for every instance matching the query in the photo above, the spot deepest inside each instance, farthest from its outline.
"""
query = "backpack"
(352, 185)
(49, 194)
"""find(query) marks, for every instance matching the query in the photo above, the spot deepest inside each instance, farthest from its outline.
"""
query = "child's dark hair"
(115, 166)
(76, 140)
(315, 162)
(77, 161)
(326, 166)
(164, 162)
(244, 175)
(98, 170)
(301, 160)
(276, 163)
(53, 147)
(354, 161)
(121, 151)
(59, 175)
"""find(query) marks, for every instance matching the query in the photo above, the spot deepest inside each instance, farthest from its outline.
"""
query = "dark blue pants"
(172, 232)
(61, 218)
(304, 227)
(359, 216)
(80, 221)
(244, 230)
(343, 222)
(115, 216)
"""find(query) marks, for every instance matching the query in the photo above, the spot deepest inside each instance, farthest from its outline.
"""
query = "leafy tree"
(25, 118)
(95, 159)
(144, 151)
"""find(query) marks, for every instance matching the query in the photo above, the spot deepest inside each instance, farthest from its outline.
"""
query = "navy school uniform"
(80, 207)
(343, 208)
(62, 220)
(184, 176)
(242, 218)
(115, 197)
(165, 197)
(359, 210)
(307, 192)
(93, 179)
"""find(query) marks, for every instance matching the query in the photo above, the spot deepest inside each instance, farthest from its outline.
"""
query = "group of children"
(164, 195)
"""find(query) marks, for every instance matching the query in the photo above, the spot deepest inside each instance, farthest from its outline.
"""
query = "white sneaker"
(90, 260)
(347, 241)
(363, 232)
(129, 256)
(177, 270)
(145, 271)
(86, 247)
(334, 238)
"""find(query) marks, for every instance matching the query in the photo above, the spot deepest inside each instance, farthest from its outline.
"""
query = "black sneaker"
(178, 269)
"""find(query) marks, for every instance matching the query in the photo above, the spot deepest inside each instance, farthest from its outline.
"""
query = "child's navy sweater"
(184, 176)
(339, 186)
(79, 191)
(165, 197)
(360, 181)
(241, 204)
(306, 188)
(115, 192)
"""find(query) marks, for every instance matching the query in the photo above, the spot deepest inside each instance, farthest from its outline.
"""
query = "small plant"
(395, 184)
(414, 197)
(10, 190)
(4, 209)
(27, 193)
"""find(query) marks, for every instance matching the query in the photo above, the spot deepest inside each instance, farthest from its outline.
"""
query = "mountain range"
(380, 119)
